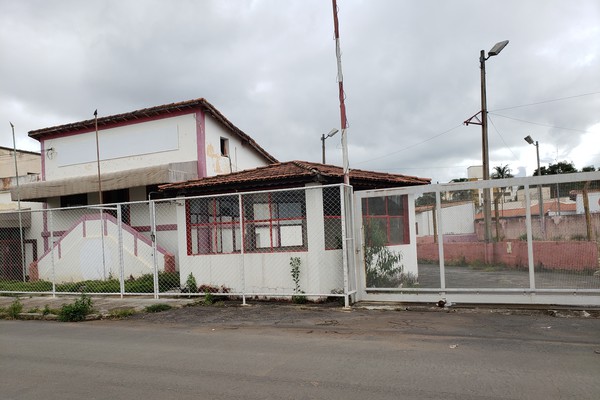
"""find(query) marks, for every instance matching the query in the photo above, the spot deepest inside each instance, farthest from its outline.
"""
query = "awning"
(10, 219)
(167, 173)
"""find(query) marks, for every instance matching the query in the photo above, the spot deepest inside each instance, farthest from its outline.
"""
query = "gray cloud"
(411, 72)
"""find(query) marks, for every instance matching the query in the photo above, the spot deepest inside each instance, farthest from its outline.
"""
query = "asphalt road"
(321, 355)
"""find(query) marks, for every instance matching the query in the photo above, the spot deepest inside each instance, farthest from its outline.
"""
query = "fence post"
(440, 239)
(528, 226)
(243, 272)
(151, 205)
(343, 198)
(121, 256)
(51, 228)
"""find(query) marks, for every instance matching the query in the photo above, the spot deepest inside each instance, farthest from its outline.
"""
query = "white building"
(138, 151)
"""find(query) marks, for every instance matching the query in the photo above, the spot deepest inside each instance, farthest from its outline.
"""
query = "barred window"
(388, 215)
(213, 225)
(275, 221)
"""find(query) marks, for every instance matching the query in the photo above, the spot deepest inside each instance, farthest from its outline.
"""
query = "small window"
(74, 200)
(224, 147)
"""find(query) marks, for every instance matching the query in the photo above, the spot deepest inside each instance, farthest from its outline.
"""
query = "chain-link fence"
(525, 236)
(264, 244)
(284, 243)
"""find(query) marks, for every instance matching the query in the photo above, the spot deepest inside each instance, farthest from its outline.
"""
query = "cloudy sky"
(410, 68)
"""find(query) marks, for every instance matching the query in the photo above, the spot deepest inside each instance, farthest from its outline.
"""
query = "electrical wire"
(408, 147)
(545, 101)
(539, 124)
(502, 137)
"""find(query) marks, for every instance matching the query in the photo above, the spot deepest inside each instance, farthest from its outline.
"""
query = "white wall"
(593, 200)
(242, 155)
(320, 270)
(127, 147)
(456, 219)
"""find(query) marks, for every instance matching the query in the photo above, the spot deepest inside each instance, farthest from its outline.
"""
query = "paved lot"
(469, 277)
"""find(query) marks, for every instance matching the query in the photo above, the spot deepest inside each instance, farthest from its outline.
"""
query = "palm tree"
(500, 172)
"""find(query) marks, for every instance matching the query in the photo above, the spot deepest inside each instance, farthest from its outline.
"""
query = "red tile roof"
(150, 113)
(294, 173)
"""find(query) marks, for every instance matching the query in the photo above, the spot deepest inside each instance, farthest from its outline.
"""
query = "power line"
(540, 124)
(502, 137)
(409, 147)
(546, 101)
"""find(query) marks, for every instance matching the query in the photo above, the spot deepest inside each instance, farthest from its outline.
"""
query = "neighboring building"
(593, 200)
(289, 212)
(457, 219)
(28, 164)
(13, 224)
(138, 151)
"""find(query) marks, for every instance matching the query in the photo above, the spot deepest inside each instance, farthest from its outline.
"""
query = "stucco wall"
(127, 147)
(320, 270)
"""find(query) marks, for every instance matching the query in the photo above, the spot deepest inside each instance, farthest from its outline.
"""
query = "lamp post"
(323, 137)
(487, 209)
(529, 140)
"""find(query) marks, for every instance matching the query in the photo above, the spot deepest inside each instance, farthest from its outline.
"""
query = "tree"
(561, 167)
(461, 195)
(500, 172)
(426, 199)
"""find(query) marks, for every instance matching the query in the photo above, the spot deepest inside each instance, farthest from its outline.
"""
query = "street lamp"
(323, 137)
(529, 140)
(487, 209)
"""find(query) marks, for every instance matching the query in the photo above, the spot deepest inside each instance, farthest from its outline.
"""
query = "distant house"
(593, 200)
(288, 209)
(28, 164)
(13, 224)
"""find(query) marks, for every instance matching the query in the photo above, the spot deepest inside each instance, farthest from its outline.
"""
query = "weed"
(121, 313)
(299, 297)
(190, 285)
(209, 298)
(159, 307)
(47, 310)
(15, 308)
(35, 310)
(76, 311)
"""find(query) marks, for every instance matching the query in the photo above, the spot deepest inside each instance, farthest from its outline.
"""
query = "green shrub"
(76, 311)
(159, 307)
(15, 308)
(209, 298)
(190, 285)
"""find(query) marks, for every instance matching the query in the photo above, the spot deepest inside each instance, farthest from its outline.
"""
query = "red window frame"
(388, 215)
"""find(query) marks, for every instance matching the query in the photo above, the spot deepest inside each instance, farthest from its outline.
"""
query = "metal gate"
(437, 243)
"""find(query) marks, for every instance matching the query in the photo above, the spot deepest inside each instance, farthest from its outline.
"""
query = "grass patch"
(20, 286)
(121, 313)
(159, 307)
(76, 311)
(142, 284)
